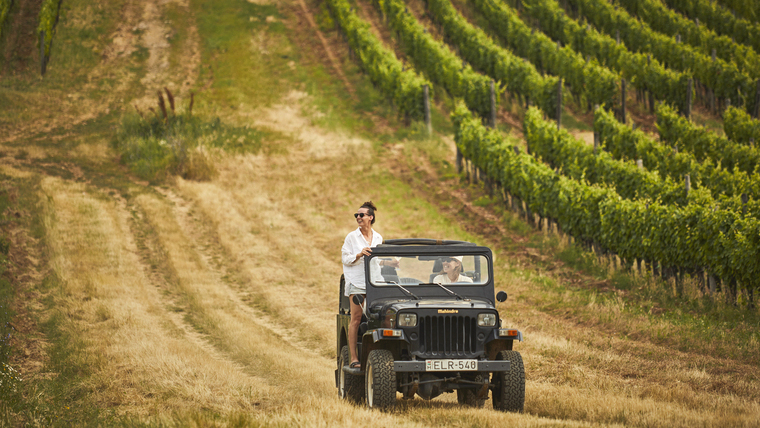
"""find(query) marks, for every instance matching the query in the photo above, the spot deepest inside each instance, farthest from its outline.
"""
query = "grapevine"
(518, 76)
(5, 8)
(596, 83)
(48, 18)
(404, 87)
(724, 79)
(723, 241)
(623, 142)
(666, 21)
(740, 127)
(679, 132)
(642, 72)
(720, 20)
(434, 59)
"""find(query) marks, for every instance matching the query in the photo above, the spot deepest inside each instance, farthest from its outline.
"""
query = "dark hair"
(371, 208)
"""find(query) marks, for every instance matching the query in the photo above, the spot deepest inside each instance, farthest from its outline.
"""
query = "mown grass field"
(137, 299)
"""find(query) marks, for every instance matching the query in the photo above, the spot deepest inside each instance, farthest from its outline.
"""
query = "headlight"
(406, 320)
(487, 320)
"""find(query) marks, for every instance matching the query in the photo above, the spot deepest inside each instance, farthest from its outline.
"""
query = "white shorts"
(351, 289)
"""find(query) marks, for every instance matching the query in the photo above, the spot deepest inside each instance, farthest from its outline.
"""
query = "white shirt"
(353, 270)
(444, 279)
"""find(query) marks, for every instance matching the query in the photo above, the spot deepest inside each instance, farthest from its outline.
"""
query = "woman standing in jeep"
(358, 244)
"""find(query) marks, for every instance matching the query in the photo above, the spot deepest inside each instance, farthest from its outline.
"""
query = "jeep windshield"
(461, 270)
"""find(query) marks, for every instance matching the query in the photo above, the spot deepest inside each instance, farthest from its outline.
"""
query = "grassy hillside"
(183, 270)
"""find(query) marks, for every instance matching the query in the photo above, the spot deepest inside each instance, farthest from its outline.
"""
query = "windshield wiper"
(451, 293)
(399, 286)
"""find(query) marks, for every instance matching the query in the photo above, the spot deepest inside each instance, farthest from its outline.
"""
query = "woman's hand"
(366, 251)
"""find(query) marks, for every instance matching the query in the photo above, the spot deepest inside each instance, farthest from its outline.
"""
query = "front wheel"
(349, 386)
(469, 396)
(509, 387)
(380, 380)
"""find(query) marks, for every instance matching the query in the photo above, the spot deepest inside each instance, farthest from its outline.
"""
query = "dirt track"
(221, 295)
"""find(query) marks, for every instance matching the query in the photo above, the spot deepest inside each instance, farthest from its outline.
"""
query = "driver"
(452, 271)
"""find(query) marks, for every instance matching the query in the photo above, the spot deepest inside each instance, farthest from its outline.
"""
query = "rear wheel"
(380, 379)
(469, 396)
(509, 386)
(349, 386)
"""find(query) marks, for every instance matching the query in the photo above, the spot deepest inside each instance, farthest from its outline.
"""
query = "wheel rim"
(370, 387)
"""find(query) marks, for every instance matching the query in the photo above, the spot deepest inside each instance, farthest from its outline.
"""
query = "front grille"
(447, 336)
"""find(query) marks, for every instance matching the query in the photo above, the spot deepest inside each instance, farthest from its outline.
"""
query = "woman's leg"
(353, 328)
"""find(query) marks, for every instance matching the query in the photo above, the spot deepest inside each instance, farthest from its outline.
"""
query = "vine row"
(723, 79)
(597, 84)
(689, 237)
(644, 73)
(579, 161)
(48, 17)
(436, 60)
(666, 21)
(519, 77)
(626, 143)
(720, 20)
(404, 87)
(5, 8)
(679, 132)
(740, 127)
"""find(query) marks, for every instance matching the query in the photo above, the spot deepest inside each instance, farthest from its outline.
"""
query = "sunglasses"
(447, 260)
(357, 215)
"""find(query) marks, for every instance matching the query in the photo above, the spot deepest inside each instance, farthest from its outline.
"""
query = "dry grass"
(213, 303)
(141, 362)
(237, 314)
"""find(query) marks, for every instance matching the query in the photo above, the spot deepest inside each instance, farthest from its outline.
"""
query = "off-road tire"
(349, 386)
(509, 386)
(380, 380)
(469, 397)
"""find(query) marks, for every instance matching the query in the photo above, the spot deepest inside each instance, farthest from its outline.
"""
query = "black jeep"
(426, 334)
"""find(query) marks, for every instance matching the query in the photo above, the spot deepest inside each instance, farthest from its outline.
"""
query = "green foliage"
(48, 18)
(5, 8)
(720, 20)
(724, 78)
(623, 142)
(679, 132)
(748, 9)
(518, 76)
(690, 236)
(667, 21)
(597, 84)
(642, 72)
(404, 88)
(578, 161)
(740, 127)
(437, 61)
(155, 147)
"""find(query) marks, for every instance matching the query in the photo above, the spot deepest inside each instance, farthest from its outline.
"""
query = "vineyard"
(683, 203)
(176, 178)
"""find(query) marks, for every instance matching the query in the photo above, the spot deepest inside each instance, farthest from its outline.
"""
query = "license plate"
(450, 365)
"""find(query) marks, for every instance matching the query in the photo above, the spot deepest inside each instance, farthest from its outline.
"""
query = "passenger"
(358, 244)
(452, 269)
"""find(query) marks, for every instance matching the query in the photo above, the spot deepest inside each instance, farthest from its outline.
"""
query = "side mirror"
(359, 299)
(500, 296)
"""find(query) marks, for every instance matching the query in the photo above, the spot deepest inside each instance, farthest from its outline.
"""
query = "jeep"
(424, 334)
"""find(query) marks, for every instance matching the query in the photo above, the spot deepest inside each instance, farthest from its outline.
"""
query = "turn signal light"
(392, 333)
(505, 332)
